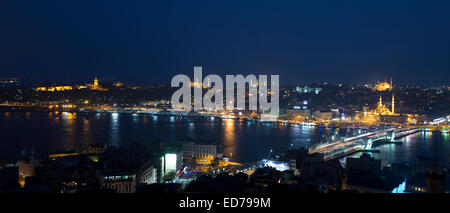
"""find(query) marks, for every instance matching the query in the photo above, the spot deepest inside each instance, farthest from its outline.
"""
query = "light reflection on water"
(229, 141)
(420, 144)
(114, 129)
(242, 140)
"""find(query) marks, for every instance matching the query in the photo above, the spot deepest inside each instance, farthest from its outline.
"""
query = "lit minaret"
(393, 103)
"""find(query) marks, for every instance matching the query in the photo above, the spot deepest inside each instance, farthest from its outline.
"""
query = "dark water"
(244, 141)
(420, 144)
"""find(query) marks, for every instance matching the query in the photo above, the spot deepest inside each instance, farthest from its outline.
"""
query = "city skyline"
(218, 105)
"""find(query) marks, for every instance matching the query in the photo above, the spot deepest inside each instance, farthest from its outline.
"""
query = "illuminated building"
(383, 86)
(382, 109)
(96, 85)
(147, 174)
(170, 163)
(203, 153)
(384, 114)
(324, 116)
(54, 88)
(381, 112)
(205, 150)
(118, 84)
(123, 182)
(198, 150)
(95, 82)
(297, 114)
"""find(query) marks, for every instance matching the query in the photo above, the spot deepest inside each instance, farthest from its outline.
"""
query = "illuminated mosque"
(381, 108)
(381, 112)
(383, 86)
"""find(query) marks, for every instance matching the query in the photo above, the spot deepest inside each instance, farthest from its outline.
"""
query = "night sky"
(151, 41)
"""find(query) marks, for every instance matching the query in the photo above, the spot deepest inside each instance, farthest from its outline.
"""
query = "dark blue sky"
(151, 41)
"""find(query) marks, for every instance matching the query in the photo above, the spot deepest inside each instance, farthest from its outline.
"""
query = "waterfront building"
(298, 114)
(323, 115)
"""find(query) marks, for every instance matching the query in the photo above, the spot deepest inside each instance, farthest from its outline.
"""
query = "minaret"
(393, 104)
